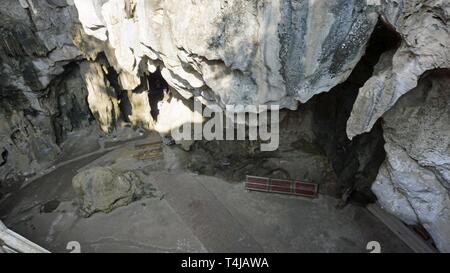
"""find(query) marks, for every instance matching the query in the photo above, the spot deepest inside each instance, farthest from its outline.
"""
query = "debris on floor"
(168, 141)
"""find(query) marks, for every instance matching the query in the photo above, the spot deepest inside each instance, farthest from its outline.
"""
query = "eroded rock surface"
(103, 189)
(414, 181)
(101, 95)
(41, 95)
(423, 26)
(234, 52)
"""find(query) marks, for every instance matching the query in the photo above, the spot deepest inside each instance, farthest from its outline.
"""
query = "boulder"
(103, 189)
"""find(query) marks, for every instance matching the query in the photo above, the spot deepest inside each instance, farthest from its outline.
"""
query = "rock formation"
(234, 52)
(65, 63)
(103, 189)
(423, 26)
(41, 94)
(414, 181)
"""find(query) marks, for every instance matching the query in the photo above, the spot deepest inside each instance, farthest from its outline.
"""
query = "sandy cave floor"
(189, 213)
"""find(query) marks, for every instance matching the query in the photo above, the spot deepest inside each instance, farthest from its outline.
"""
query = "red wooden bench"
(293, 187)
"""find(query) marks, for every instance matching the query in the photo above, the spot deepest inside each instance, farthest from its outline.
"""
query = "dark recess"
(355, 162)
(4, 157)
(157, 86)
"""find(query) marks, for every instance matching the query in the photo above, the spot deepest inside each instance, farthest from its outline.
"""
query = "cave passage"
(4, 157)
(356, 162)
(153, 83)
(157, 88)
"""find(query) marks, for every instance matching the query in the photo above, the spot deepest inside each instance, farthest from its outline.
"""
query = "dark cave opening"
(4, 156)
(153, 83)
(157, 89)
(356, 162)
(72, 111)
(124, 150)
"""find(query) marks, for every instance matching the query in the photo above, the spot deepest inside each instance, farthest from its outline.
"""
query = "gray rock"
(41, 98)
(244, 52)
(103, 189)
(423, 26)
(102, 97)
(414, 182)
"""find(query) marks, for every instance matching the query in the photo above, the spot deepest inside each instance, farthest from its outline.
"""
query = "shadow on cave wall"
(356, 163)
(317, 128)
(157, 86)
(70, 94)
(153, 83)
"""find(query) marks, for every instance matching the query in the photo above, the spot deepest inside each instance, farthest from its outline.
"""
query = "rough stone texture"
(423, 26)
(103, 189)
(41, 96)
(141, 110)
(414, 182)
(102, 97)
(234, 52)
(281, 52)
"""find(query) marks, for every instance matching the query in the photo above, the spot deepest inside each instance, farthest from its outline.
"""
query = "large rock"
(36, 42)
(103, 189)
(414, 181)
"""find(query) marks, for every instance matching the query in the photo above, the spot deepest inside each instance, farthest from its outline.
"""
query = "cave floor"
(192, 213)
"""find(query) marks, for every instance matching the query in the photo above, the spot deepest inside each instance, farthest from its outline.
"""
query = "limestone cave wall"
(66, 64)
